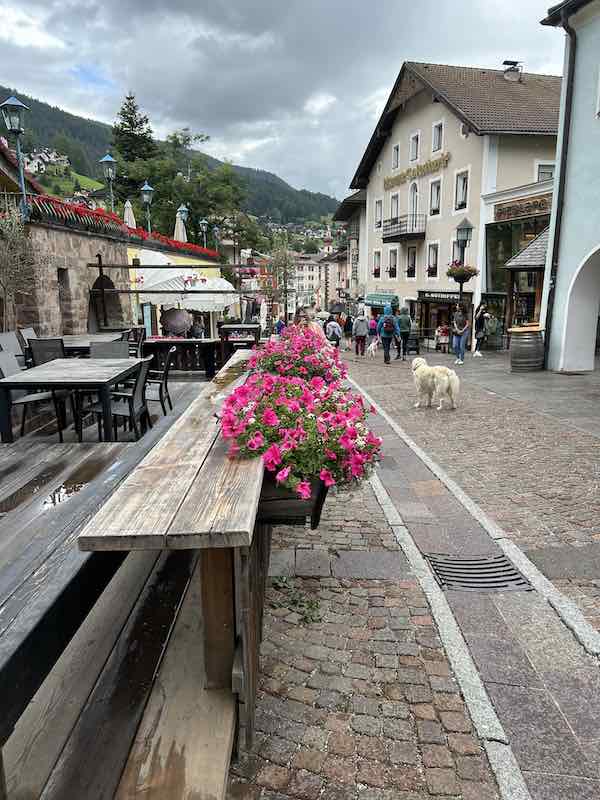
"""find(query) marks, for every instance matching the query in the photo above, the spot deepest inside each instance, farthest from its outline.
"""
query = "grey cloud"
(244, 70)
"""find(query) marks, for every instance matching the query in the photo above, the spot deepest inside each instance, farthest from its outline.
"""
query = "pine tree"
(132, 134)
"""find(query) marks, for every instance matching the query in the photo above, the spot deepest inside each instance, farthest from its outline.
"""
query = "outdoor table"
(189, 352)
(243, 334)
(89, 374)
(187, 494)
(79, 343)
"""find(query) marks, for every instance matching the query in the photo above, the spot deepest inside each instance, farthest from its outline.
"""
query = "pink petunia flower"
(283, 474)
(303, 490)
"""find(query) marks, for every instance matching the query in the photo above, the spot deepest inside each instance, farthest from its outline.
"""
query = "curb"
(566, 609)
(489, 728)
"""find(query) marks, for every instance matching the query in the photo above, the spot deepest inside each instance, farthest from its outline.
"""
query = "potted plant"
(299, 353)
(311, 435)
(461, 273)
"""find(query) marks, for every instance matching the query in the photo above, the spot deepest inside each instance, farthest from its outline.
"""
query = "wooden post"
(216, 575)
(101, 275)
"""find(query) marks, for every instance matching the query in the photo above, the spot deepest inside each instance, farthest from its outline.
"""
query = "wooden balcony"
(407, 226)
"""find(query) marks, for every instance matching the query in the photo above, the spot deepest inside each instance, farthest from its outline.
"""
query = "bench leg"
(216, 575)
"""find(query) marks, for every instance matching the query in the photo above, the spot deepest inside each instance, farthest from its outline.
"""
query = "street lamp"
(13, 112)
(204, 228)
(464, 234)
(147, 191)
(183, 212)
(109, 167)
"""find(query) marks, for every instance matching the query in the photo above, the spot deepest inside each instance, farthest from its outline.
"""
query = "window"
(411, 263)
(394, 206)
(458, 252)
(545, 172)
(414, 147)
(300, 268)
(432, 260)
(393, 268)
(378, 213)
(462, 190)
(396, 156)
(437, 137)
(435, 197)
(377, 264)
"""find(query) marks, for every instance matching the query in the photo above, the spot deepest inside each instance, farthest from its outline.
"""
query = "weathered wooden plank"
(41, 732)
(217, 612)
(184, 742)
(91, 763)
(220, 508)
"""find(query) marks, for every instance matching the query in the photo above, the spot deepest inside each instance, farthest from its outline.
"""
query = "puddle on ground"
(32, 487)
(77, 480)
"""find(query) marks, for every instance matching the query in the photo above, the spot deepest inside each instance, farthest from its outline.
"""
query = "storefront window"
(506, 239)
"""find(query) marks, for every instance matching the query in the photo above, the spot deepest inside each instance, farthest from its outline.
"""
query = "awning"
(532, 258)
(192, 294)
(382, 299)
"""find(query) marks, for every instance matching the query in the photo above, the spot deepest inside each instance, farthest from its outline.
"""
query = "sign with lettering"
(444, 297)
(433, 165)
(527, 207)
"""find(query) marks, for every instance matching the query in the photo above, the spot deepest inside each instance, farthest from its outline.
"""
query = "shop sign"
(443, 297)
(381, 299)
(527, 207)
(433, 165)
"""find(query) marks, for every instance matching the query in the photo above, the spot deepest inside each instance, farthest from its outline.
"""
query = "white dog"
(372, 348)
(433, 382)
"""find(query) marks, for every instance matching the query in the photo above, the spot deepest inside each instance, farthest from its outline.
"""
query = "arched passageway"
(578, 337)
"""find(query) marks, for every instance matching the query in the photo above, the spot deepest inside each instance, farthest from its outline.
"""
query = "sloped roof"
(10, 171)
(533, 256)
(570, 7)
(350, 205)
(482, 98)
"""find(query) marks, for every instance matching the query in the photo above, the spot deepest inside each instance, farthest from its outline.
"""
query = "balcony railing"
(408, 226)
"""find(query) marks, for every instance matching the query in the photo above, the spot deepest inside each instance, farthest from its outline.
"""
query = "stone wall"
(60, 303)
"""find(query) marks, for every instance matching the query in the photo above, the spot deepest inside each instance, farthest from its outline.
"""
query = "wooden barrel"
(526, 349)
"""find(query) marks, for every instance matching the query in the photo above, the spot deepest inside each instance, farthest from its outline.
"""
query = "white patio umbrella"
(180, 234)
(128, 216)
(263, 315)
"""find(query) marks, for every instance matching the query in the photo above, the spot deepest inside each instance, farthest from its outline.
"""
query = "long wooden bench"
(187, 499)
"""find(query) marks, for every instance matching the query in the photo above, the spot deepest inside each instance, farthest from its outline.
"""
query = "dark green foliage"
(311, 246)
(65, 144)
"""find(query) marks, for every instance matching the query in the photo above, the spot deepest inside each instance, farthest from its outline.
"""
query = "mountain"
(85, 141)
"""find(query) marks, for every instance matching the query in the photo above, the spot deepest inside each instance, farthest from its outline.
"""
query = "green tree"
(68, 146)
(311, 246)
(132, 134)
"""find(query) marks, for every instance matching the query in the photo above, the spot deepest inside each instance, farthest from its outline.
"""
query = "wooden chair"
(119, 349)
(44, 350)
(126, 404)
(157, 388)
(20, 397)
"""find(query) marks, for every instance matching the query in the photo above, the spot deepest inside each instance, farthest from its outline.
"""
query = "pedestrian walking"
(279, 326)
(460, 333)
(360, 330)
(372, 328)
(348, 331)
(333, 332)
(481, 316)
(404, 324)
(387, 328)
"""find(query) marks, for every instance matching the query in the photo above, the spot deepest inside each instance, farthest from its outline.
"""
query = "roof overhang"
(350, 205)
(566, 9)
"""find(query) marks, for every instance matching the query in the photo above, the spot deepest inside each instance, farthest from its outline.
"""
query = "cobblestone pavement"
(357, 698)
(535, 473)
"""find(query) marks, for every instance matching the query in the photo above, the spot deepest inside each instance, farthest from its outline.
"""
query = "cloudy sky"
(292, 86)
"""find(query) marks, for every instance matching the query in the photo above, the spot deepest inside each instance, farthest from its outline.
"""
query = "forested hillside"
(85, 141)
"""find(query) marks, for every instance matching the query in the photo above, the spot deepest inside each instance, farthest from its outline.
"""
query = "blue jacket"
(387, 314)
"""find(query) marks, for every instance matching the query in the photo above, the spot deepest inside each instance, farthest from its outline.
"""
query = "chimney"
(513, 71)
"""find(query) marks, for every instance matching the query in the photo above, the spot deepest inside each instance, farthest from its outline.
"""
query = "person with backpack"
(333, 331)
(404, 324)
(348, 325)
(360, 329)
(387, 329)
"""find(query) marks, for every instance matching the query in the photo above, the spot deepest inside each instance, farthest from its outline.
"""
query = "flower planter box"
(281, 506)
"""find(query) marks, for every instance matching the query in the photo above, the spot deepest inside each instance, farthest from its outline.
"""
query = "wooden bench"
(187, 498)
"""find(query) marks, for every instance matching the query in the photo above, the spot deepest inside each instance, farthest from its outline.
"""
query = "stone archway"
(578, 337)
(108, 314)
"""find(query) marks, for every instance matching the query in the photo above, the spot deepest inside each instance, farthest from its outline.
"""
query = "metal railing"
(406, 225)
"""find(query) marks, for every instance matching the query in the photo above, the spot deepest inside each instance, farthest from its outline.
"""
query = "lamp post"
(464, 234)
(109, 167)
(13, 112)
(147, 191)
(204, 228)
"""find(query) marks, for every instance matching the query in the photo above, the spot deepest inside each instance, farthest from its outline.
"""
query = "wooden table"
(79, 343)
(192, 354)
(92, 374)
(187, 495)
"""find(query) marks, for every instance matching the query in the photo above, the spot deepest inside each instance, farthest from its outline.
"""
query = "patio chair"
(9, 366)
(157, 388)
(44, 350)
(9, 343)
(119, 349)
(125, 335)
(128, 405)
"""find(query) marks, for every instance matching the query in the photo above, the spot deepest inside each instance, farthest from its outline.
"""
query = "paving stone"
(282, 563)
(561, 787)
(502, 660)
(273, 777)
(436, 755)
(397, 729)
(430, 732)
(442, 781)
(403, 753)
(455, 722)
(363, 723)
(372, 565)
(463, 744)
(478, 791)
(277, 750)
(471, 768)
(305, 785)
(341, 744)
(342, 770)
(313, 562)
(311, 760)
(371, 773)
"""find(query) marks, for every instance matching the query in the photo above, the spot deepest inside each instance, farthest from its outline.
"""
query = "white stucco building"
(454, 147)
(571, 300)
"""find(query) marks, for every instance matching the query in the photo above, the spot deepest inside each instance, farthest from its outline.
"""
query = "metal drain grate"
(493, 573)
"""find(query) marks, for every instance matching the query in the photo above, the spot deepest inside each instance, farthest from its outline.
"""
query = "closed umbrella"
(263, 315)
(128, 216)
(180, 234)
